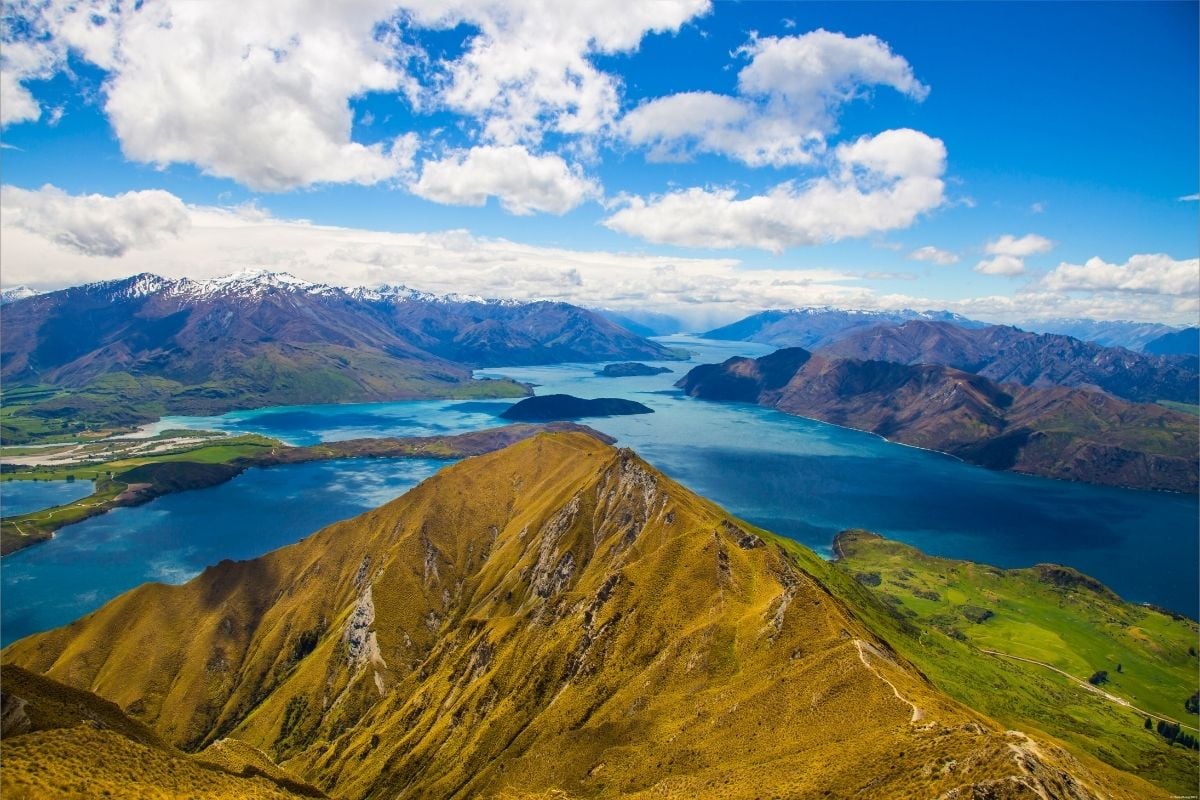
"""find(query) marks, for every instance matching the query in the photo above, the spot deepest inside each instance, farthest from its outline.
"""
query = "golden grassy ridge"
(555, 619)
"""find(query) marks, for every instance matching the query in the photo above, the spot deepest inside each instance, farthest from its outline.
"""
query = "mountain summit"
(556, 619)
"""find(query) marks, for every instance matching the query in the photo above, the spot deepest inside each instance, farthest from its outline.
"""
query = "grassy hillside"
(948, 614)
(63, 742)
(553, 619)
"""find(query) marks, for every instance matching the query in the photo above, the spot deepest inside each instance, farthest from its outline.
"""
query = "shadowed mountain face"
(1009, 355)
(1064, 433)
(490, 334)
(60, 741)
(1184, 343)
(265, 338)
(812, 328)
(553, 620)
(1119, 333)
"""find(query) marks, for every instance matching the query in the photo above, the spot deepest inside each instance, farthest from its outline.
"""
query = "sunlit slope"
(63, 742)
(553, 617)
(1021, 644)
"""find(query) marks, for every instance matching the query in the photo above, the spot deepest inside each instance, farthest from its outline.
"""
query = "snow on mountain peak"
(16, 293)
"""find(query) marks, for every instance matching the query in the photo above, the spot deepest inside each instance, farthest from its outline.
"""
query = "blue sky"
(1010, 161)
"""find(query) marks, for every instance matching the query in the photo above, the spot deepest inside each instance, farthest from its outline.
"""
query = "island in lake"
(564, 406)
(630, 369)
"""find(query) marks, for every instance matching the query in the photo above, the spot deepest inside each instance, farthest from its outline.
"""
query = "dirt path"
(865, 647)
(1121, 701)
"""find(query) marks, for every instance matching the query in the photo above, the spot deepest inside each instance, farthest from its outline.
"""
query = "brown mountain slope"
(63, 742)
(555, 619)
(1009, 355)
(1058, 432)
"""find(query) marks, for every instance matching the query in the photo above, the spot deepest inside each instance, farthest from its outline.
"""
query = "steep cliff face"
(555, 619)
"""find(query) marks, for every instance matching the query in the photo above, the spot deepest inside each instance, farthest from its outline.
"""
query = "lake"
(174, 537)
(21, 497)
(800, 478)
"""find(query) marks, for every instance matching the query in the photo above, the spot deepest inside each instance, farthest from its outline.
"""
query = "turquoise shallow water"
(800, 478)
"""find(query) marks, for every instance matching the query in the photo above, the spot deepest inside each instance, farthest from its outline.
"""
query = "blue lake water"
(797, 477)
(173, 538)
(21, 497)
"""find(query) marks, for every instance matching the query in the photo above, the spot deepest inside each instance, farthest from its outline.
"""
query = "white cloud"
(261, 92)
(1037, 208)
(522, 181)
(789, 98)
(706, 291)
(1009, 253)
(256, 92)
(1028, 245)
(882, 183)
(934, 255)
(1190, 198)
(529, 68)
(1007, 266)
(1152, 273)
(95, 225)
(21, 61)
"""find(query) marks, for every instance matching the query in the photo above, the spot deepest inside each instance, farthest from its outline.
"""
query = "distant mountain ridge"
(1056, 432)
(1009, 355)
(263, 338)
(812, 328)
(1185, 342)
(1110, 333)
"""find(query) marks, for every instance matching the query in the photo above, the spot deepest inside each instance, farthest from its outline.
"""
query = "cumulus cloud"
(880, 183)
(261, 92)
(522, 181)
(934, 255)
(1028, 245)
(1007, 266)
(95, 225)
(21, 61)
(707, 291)
(1152, 273)
(1009, 253)
(789, 97)
(529, 68)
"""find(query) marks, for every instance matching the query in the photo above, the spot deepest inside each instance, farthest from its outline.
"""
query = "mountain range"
(1058, 432)
(812, 328)
(146, 345)
(1011, 356)
(554, 620)
(1185, 342)
(815, 328)
(1110, 333)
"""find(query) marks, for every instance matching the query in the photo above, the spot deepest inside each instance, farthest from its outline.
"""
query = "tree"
(1098, 677)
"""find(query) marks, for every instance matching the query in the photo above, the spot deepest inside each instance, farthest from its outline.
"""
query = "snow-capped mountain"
(260, 337)
(15, 293)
